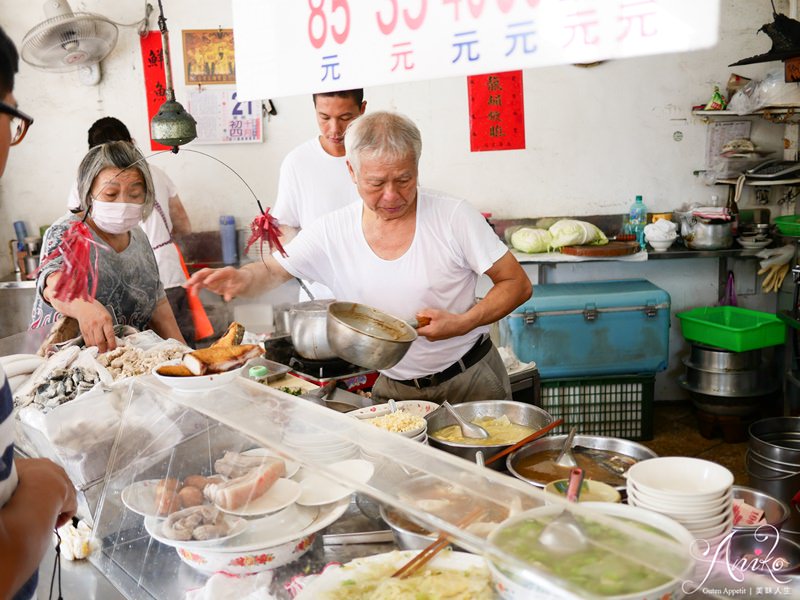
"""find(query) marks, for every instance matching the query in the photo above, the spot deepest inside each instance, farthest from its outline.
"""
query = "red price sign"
(413, 21)
(321, 22)
(476, 6)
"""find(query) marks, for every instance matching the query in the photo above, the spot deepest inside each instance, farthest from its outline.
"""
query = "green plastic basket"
(788, 225)
(732, 328)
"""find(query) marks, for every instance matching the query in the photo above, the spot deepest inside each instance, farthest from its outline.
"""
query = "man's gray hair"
(120, 155)
(382, 135)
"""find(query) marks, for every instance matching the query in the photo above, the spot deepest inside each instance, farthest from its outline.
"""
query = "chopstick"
(439, 544)
(523, 441)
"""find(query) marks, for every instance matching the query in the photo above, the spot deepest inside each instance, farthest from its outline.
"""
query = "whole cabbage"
(531, 240)
(569, 232)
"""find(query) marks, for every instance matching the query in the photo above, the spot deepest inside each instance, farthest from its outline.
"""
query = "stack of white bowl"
(415, 407)
(320, 447)
(697, 493)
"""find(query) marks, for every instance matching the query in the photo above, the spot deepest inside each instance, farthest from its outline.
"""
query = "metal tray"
(276, 370)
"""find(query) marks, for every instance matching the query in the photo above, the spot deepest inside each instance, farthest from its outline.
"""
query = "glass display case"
(166, 435)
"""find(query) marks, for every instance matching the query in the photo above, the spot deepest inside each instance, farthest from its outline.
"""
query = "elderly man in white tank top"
(409, 252)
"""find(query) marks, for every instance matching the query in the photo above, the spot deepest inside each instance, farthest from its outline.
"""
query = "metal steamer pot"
(308, 327)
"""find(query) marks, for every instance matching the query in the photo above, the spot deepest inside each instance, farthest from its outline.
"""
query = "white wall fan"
(68, 41)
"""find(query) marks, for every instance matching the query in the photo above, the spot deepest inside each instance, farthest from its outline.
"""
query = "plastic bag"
(729, 297)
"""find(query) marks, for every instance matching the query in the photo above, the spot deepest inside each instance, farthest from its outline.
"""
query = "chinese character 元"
(402, 55)
(329, 67)
(637, 11)
(521, 32)
(463, 43)
(586, 21)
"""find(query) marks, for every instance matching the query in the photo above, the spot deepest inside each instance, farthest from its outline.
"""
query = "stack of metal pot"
(727, 383)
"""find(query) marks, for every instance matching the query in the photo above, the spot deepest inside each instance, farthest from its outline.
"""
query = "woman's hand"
(227, 282)
(97, 326)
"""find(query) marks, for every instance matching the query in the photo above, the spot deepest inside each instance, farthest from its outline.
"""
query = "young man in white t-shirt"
(411, 253)
(36, 495)
(313, 179)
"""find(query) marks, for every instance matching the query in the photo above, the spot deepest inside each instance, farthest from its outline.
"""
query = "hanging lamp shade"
(172, 125)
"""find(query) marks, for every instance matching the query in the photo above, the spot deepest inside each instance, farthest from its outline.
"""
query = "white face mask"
(116, 217)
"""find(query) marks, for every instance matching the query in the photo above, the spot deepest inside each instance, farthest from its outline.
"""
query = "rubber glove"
(775, 266)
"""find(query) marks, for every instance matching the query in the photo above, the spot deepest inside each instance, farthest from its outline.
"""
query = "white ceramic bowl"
(277, 550)
(539, 586)
(661, 245)
(678, 503)
(415, 407)
(678, 515)
(712, 532)
(679, 477)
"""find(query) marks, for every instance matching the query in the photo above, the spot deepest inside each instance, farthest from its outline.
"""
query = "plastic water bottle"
(227, 236)
(637, 219)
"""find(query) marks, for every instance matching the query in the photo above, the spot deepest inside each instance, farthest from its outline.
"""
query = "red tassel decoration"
(265, 228)
(76, 267)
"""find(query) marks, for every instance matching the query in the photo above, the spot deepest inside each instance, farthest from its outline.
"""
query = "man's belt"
(473, 355)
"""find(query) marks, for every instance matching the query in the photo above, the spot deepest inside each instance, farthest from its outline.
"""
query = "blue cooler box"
(593, 328)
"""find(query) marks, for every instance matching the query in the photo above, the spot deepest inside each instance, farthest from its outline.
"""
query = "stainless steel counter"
(15, 281)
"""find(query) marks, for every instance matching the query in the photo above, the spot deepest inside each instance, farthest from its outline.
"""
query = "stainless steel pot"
(308, 326)
(698, 235)
(717, 359)
(517, 412)
(750, 382)
(595, 442)
(366, 336)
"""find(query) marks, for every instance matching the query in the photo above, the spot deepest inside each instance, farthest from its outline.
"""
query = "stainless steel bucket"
(716, 359)
(773, 457)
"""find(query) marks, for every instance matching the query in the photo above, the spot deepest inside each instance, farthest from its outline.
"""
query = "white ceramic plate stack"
(697, 493)
(320, 447)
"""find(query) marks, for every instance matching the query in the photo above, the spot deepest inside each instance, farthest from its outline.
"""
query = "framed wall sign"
(208, 56)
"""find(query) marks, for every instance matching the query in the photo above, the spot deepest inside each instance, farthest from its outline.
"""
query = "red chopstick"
(523, 441)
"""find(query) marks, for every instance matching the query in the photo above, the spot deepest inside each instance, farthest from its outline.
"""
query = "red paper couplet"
(496, 111)
(155, 80)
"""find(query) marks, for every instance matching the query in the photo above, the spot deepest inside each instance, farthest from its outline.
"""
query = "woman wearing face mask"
(117, 197)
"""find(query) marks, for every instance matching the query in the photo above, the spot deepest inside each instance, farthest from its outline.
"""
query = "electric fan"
(67, 41)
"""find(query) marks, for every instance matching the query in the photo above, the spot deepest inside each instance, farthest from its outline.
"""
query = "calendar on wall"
(222, 119)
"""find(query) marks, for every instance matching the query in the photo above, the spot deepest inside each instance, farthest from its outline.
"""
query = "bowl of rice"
(408, 420)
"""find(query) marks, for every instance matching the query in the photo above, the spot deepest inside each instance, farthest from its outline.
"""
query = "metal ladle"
(564, 535)
(468, 430)
(565, 457)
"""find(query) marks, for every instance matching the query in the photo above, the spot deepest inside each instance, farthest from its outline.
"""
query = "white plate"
(140, 497)
(752, 244)
(291, 466)
(319, 490)
(282, 493)
(333, 578)
(153, 526)
(273, 529)
(265, 533)
(196, 383)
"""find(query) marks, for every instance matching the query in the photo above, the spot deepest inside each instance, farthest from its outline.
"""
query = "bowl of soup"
(602, 458)
(506, 421)
(631, 554)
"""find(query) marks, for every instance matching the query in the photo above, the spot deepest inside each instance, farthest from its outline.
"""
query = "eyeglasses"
(20, 122)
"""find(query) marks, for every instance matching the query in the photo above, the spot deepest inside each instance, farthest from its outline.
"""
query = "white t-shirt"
(452, 246)
(312, 184)
(157, 226)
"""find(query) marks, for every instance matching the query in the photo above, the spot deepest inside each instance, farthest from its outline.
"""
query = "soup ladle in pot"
(565, 457)
(564, 535)
(468, 430)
